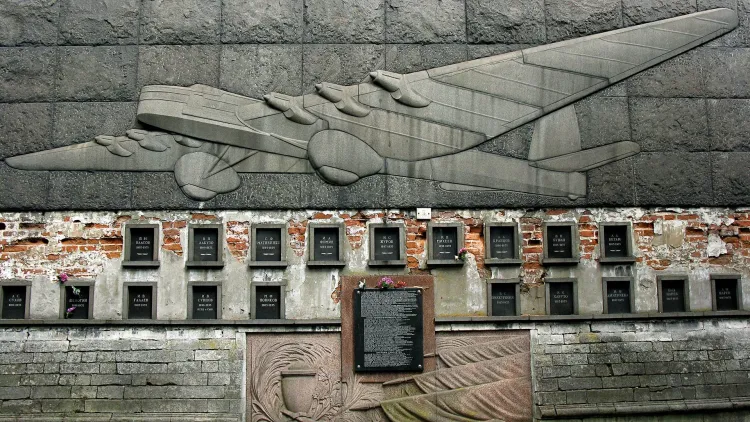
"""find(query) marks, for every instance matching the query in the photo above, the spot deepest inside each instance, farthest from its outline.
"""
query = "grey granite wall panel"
(603, 120)
(673, 178)
(280, 21)
(425, 21)
(613, 185)
(97, 73)
(728, 76)
(635, 12)
(669, 124)
(27, 74)
(255, 70)
(570, 19)
(731, 173)
(343, 64)
(515, 143)
(85, 190)
(729, 124)
(183, 65)
(683, 76)
(23, 189)
(512, 21)
(99, 22)
(159, 191)
(407, 58)
(25, 128)
(32, 22)
(344, 21)
(180, 22)
(80, 122)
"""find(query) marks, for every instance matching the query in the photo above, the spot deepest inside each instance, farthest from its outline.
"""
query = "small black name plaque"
(326, 244)
(204, 302)
(614, 241)
(268, 302)
(501, 243)
(387, 244)
(140, 302)
(444, 243)
(14, 302)
(561, 299)
(618, 297)
(726, 295)
(388, 332)
(560, 242)
(206, 245)
(141, 244)
(78, 304)
(673, 295)
(503, 299)
(268, 245)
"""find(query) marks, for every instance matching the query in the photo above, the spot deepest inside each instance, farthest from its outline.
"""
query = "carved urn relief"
(297, 385)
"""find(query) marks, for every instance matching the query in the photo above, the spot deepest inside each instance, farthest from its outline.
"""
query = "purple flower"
(70, 310)
(62, 277)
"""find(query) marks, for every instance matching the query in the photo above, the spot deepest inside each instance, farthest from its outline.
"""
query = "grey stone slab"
(23, 190)
(159, 191)
(182, 65)
(728, 76)
(279, 21)
(612, 185)
(180, 22)
(28, 22)
(515, 143)
(603, 120)
(512, 21)
(81, 122)
(670, 124)
(477, 51)
(729, 124)
(566, 19)
(682, 76)
(92, 22)
(673, 178)
(84, 190)
(730, 176)
(265, 191)
(641, 11)
(27, 74)
(425, 21)
(740, 37)
(26, 127)
(367, 192)
(407, 58)
(256, 70)
(344, 21)
(342, 64)
(97, 73)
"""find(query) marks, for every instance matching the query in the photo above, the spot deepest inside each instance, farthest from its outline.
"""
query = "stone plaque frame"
(17, 283)
(311, 261)
(219, 246)
(401, 261)
(199, 284)
(460, 235)
(127, 262)
(547, 304)
(78, 283)
(574, 244)
(488, 259)
(673, 277)
(126, 296)
(491, 282)
(631, 293)
(284, 230)
(282, 296)
(629, 257)
(738, 279)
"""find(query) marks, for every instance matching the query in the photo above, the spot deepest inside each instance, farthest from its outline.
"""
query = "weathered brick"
(60, 406)
(45, 392)
(621, 382)
(111, 379)
(609, 395)
(14, 393)
(210, 366)
(151, 356)
(37, 379)
(97, 345)
(141, 368)
(83, 392)
(109, 392)
(556, 372)
(45, 346)
(551, 398)
(184, 367)
(10, 358)
(169, 406)
(113, 406)
(211, 354)
(579, 383)
(79, 368)
(218, 379)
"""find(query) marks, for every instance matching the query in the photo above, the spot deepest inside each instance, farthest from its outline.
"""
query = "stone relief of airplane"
(424, 125)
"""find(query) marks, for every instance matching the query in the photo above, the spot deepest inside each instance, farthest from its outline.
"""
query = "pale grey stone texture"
(740, 37)
(28, 22)
(160, 191)
(182, 65)
(81, 122)
(682, 76)
(636, 12)
(265, 22)
(425, 21)
(407, 58)
(342, 64)
(477, 51)
(84, 190)
(728, 76)
(515, 143)
(730, 174)
(256, 70)
(612, 185)
(670, 124)
(99, 22)
(26, 128)
(344, 21)
(673, 178)
(97, 73)
(180, 22)
(27, 74)
(570, 19)
(264, 191)
(366, 192)
(729, 123)
(23, 189)
(511, 21)
(603, 120)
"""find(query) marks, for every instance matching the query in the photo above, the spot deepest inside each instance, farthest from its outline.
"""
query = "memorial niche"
(14, 302)
(205, 302)
(561, 299)
(559, 242)
(618, 297)
(268, 302)
(503, 299)
(141, 244)
(268, 244)
(444, 243)
(326, 244)
(502, 242)
(673, 295)
(206, 245)
(725, 291)
(77, 302)
(140, 302)
(388, 330)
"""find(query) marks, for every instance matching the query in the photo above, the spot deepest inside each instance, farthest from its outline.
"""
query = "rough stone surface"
(729, 123)
(344, 21)
(81, 190)
(178, 65)
(30, 22)
(81, 122)
(26, 128)
(730, 172)
(673, 178)
(97, 73)
(27, 74)
(99, 22)
(676, 124)
(186, 22)
(256, 70)
(22, 189)
(613, 184)
(603, 120)
(636, 12)
(514, 21)
(407, 58)
(340, 63)
(728, 77)
(270, 22)
(430, 21)
(515, 143)
(682, 76)
(569, 19)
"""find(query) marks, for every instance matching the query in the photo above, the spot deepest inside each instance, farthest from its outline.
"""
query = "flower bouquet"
(386, 283)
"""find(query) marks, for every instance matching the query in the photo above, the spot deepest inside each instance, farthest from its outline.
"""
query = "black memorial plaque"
(387, 244)
(206, 245)
(444, 243)
(614, 241)
(326, 244)
(268, 302)
(618, 297)
(14, 302)
(141, 244)
(388, 332)
(501, 243)
(726, 295)
(268, 245)
(79, 301)
(673, 295)
(140, 302)
(561, 299)
(560, 242)
(204, 302)
(503, 299)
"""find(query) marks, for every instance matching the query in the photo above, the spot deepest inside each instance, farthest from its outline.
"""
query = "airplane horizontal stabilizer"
(588, 159)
